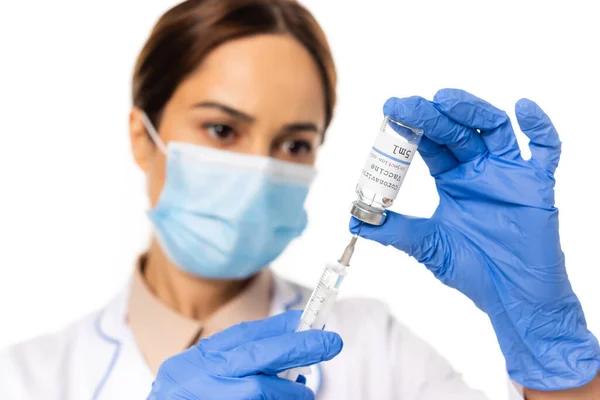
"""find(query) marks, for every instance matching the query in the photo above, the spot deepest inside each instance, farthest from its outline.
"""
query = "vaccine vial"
(384, 171)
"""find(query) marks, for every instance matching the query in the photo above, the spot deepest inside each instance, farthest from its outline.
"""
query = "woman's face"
(259, 95)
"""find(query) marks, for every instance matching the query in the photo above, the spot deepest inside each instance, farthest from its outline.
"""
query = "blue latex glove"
(242, 362)
(494, 235)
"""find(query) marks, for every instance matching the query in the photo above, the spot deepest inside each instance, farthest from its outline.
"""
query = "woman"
(231, 101)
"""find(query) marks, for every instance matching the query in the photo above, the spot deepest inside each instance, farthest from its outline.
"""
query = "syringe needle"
(359, 227)
(348, 251)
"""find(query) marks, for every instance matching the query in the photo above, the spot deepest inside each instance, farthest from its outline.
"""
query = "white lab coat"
(97, 358)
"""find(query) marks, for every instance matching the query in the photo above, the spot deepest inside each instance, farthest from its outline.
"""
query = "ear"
(141, 144)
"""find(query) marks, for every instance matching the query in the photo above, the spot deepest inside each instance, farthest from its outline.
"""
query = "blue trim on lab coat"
(113, 361)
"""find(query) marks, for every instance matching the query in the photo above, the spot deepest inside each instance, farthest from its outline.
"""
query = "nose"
(260, 146)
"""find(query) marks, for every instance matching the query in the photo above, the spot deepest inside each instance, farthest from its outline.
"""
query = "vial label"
(387, 165)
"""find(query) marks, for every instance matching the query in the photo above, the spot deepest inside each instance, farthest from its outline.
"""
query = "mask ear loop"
(153, 133)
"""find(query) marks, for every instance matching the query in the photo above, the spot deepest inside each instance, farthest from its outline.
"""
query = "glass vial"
(384, 171)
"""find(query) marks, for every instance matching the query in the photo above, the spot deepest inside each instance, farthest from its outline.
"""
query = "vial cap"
(367, 216)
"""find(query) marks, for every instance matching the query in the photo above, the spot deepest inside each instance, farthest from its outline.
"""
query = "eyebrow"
(226, 109)
(300, 127)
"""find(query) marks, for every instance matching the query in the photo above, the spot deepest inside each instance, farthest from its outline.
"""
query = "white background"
(72, 202)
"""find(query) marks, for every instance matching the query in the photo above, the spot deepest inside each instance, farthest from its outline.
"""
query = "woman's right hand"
(242, 362)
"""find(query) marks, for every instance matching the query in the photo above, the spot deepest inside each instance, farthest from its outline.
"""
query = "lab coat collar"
(287, 296)
(112, 321)
(126, 375)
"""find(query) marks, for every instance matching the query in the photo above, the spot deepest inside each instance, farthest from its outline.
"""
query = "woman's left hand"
(494, 235)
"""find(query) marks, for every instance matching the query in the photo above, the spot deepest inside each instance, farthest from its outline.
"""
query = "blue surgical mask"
(226, 215)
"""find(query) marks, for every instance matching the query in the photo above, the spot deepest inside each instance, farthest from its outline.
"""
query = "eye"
(220, 132)
(297, 147)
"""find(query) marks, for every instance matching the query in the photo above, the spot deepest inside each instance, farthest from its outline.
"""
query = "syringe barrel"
(318, 308)
(322, 298)
(320, 319)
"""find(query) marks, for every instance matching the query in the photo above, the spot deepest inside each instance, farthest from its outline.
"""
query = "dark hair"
(185, 34)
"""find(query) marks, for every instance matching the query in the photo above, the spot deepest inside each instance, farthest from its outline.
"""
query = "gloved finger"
(301, 379)
(409, 234)
(250, 331)
(273, 388)
(544, 142)
(469, 110)
(464, 143)
(438, 158)
(273, 355)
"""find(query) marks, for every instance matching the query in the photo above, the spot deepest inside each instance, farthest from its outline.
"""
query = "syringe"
(321, 300)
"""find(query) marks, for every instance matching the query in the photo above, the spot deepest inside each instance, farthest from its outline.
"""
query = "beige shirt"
(160, 332)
